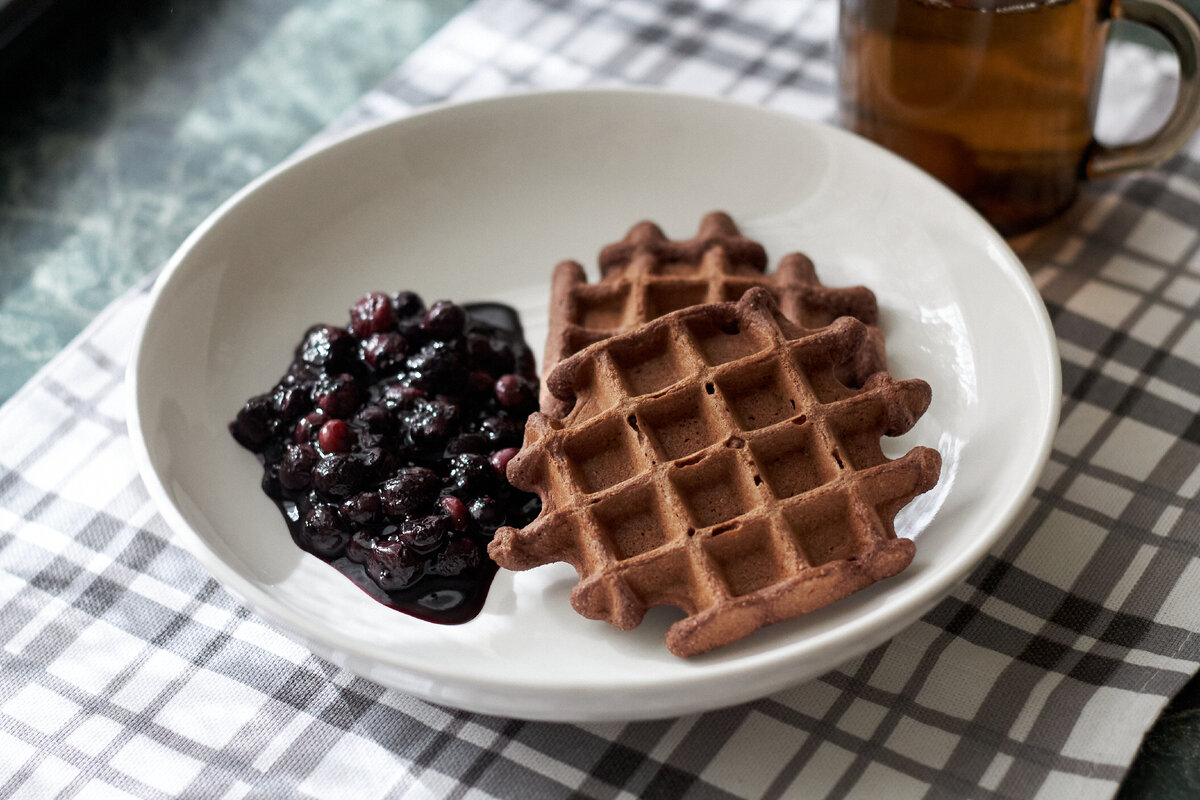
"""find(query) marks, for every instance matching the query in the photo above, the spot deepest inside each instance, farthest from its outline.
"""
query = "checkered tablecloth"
(127, 671)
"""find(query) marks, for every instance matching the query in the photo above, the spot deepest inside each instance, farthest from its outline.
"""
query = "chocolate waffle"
(712, 460)
(646, 275)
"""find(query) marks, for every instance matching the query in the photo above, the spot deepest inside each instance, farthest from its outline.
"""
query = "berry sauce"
(385, 442)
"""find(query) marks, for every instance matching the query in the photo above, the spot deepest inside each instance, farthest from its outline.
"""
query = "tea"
(995, 99)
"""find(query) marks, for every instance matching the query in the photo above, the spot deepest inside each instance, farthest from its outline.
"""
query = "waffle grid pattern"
(733, 415)
(646, 276)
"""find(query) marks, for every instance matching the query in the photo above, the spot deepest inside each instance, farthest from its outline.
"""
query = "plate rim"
(870, 628)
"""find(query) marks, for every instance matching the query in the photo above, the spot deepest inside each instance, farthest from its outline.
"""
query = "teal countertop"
(120, 136)
(125, 129)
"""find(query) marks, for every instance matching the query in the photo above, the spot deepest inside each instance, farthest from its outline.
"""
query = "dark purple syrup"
(384, 446)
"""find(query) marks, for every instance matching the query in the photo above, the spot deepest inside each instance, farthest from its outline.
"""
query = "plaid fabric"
(129, 672)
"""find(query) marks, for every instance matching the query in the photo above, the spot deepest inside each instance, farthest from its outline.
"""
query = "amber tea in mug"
(997, 98)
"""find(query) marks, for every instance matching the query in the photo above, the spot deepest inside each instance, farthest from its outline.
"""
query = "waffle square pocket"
(714, 459)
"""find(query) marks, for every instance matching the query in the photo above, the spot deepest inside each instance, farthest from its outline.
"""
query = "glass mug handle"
(1183, 32)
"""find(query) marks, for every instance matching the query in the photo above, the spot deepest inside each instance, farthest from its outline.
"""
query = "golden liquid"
(998, 103)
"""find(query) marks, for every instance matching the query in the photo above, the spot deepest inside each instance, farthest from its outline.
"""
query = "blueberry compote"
(385, 444)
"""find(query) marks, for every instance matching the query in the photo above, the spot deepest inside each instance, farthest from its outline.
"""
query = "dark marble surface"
(124, 129)
(130, 123)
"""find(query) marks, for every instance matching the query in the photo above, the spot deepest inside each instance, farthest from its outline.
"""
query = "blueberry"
(375, 418)
(336, 436)
(467, 443)
(384, 351)
(432, 422)
(456, 510)
(423, 534)
(444, 320)
(399, 396)
(436, 367)
(406, 305)
(480, 352)
(371, 314)
(410, 490)
(368, 439)
(337, 476)
(326, 532)
(472, 473)
(486, 511)
(514, 392)
(394, 565)
(363, 508)
(480, 381)
(295, 468)
(359, 548)
(458, 556)
(293, 402)
(308, 426)
(500, 460)
(254, 424)
(336, 395)
(326, 347)
(488, 351)
(378, 463)
(502, 431)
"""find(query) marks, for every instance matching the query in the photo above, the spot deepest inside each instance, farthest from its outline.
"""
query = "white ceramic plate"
(479, 201)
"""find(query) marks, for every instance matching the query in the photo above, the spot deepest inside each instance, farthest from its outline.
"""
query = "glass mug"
(997, 98)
